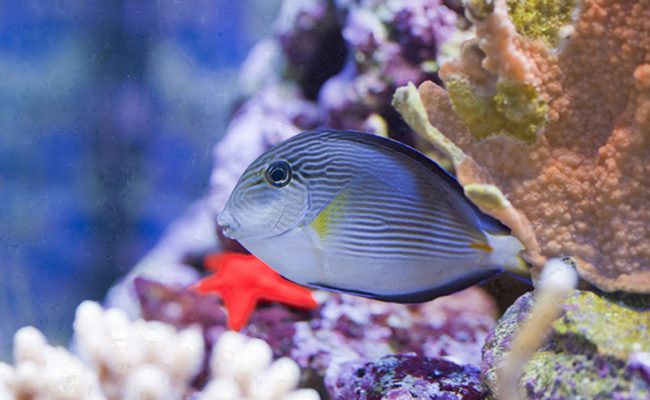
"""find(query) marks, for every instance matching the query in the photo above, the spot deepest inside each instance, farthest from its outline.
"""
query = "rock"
(405, 377)
(341, 329)
(599, 348)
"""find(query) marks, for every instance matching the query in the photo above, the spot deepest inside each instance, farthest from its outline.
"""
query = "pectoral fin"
(330, 216)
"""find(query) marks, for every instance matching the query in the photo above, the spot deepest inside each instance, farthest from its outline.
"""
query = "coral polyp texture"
(546, 119)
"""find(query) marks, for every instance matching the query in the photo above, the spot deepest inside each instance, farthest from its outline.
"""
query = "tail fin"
(505, 254)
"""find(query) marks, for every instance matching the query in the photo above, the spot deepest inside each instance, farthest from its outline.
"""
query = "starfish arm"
(240, 306)
(290, 293)
(209, 284)
(242, 280)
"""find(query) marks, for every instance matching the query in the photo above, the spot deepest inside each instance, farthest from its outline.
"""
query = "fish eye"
(278, 174)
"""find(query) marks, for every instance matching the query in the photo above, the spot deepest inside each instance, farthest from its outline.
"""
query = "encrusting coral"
(546, 119)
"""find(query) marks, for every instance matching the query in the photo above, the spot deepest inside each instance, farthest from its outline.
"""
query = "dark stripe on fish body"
(331, 138)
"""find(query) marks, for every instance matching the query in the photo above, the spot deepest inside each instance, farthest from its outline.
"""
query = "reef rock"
(546, 119)
(342, 328)
(405, 377)
(599, 348)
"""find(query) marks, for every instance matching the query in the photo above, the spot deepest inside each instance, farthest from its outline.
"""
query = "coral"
(120, 359)
(542, 19)
(404, 377)
(45, 372)
(514, 110)
(137, 359)
(389, 44)
(453, 327)
(342, 328)
(309, 33)
(597, 349)
(242, 368)
(545, 120)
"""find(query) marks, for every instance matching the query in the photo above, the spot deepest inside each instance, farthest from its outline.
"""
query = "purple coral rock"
(309, 33)
(346, 328)
(405, 377)
(421, 27)
(597, 349)
(364, 31)
(300, 28)
(389, 44)
(178, 307)
(343, 328)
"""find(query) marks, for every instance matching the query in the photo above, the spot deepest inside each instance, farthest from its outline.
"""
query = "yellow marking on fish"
(329, 216)
(481, 246)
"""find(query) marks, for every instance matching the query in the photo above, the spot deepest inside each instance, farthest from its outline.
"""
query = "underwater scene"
(325, 199)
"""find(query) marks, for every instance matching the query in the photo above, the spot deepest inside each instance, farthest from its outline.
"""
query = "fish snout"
(228, 223)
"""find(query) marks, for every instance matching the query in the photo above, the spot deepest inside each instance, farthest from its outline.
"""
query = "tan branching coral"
(549, 129)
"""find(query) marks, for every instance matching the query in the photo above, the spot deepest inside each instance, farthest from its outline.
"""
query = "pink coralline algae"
(546, 119)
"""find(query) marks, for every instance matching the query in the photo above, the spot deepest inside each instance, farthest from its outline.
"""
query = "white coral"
(139, 359)
(45, 372)
(242, 369)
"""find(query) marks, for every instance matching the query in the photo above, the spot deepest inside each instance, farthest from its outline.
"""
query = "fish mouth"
(228, 224)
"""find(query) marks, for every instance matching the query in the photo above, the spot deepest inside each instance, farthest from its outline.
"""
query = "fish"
(358, 213)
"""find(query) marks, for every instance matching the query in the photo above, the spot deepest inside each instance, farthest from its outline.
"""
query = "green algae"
(589, 354)
(515, 110)
(615, 330)
(551, 375)
(541, 19)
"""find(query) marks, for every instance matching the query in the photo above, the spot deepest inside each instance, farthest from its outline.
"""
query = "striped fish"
(363, 214)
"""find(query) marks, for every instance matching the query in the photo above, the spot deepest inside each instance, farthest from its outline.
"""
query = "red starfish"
(243, 280)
